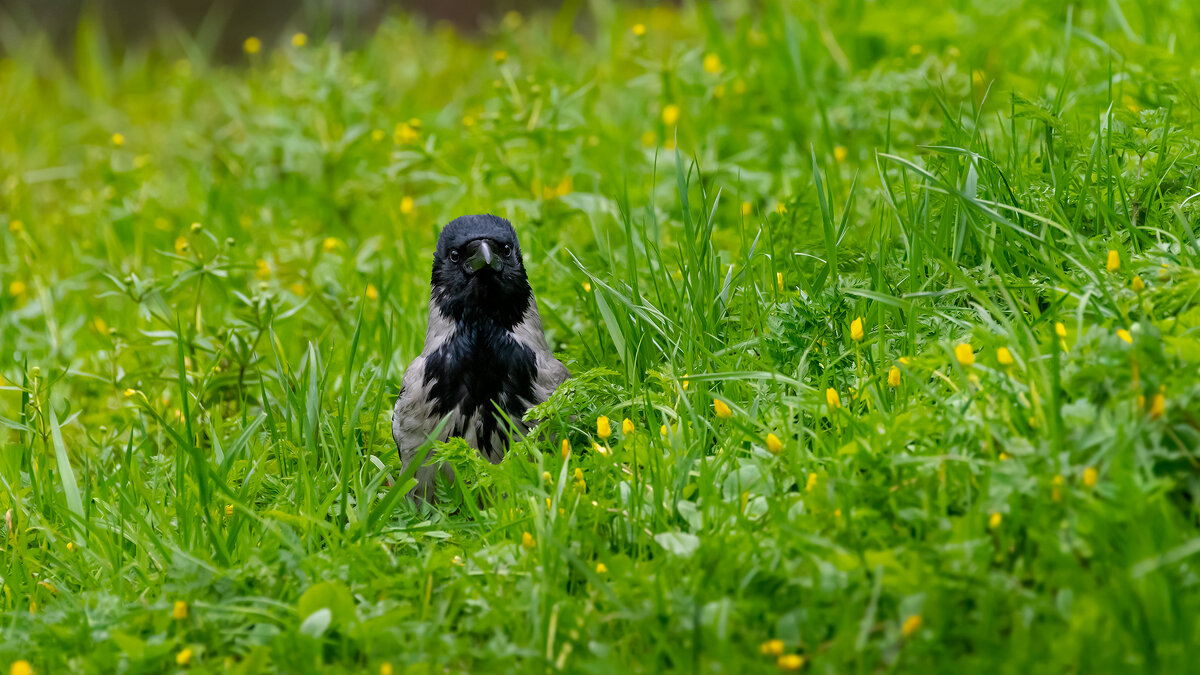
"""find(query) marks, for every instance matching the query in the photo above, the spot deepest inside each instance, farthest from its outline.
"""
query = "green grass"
(201, 413)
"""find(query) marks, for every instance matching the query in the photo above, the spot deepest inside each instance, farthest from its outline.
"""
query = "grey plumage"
(484, 349)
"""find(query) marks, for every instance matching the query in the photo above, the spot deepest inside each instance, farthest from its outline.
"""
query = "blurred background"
(223, 25)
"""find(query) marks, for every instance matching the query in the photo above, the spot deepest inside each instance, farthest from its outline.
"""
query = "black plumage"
(485, 357)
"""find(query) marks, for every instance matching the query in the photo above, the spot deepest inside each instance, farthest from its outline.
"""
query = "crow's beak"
(480, 255)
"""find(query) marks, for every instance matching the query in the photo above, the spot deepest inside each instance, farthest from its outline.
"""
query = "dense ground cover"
(899, 301)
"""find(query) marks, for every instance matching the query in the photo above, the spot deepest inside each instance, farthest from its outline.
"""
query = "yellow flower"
(499, 56)
(406, 205)
(262, 268)
(1158, 406)
(790, 662)
(330, 244)
(781, 208)
(832, 398)
(1004, 356)
(911, 625)
(600, 449)
(297, 288)
(683, 384)
(566, 449)
(712, 63)
(587, 287)
(386, 668)
(1114, 261)
(372, 292)
(603, 429)
(565, 186)
(118, 139)
(774, 445)
(1004, 457)
(181, 610)
(601, 568)
(71, 546)
(721, 409)
(995, 519)
(670, 114)
(546, 477)
(181, 245)
(130, 393)
(578, 475)
(964, 354)
(953, 52)
(840, 153)
(16, 288)
(549, 504)
(977, 76)
(1060, 330)
(252, 45)
(299, 40)
(229, 510)
(779, 281)
(662, 430)
(377, 135)
(404, 133)
(16, 226)
(746, 208)
(626, 426)
(771, 647)
(21, 667)
(639, 29)
(1090, 475)
(468, 121)
(527, 540)
(1125, 335)
(184, 656)
(1137, 284)
(856, 329)
(894, 377)
(914, 50)
(812, 483)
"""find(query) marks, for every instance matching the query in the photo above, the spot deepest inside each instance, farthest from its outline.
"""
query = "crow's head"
(478, 274)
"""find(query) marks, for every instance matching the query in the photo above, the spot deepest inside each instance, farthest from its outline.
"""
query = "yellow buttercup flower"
(180, 611)
(587, 287)
(299, 40)
(546, 477)
(856, 329)
(1158, 406)
(118, 139)
(670, 115)
(662, 430)
(1004, 356)
(911, 625)
(1125, 335)
(372, 292)
(964, 354)
(406, 205)
(746, 208)
(811, 484)
(779, 281)
(627, 426)
(894, 377)
(789, 662)
(229, 510)
(722, 409)
(712, 63)
(601, 568)
(578, 475)
(386, 668)
(774, 445)
(16, 288)
(915, 49)
(1137, 284)
(16, 226)
(499, 56)
(840, 153)
(404, 133)
(262, 269)
(184, 656)
(1090, 476)
(252, 45)
(1060, 330)
(1114, 261)
(181, 245)
(566, 449)
(377, 135)
(527, 540)
(832, 398)
(771, 647)
(995, 519)
(21, 667)
(330, 244)
(781, 208)
(638, 29)
(603, 429)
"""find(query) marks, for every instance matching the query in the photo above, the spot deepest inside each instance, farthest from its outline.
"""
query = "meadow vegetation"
(883, 318)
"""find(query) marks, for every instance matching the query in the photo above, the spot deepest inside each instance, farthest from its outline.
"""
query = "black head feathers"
(478, 272)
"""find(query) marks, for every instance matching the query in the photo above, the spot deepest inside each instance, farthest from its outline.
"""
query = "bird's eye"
(453, 255)
(507, 250)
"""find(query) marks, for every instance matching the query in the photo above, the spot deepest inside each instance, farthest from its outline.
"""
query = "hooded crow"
(485, 358)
